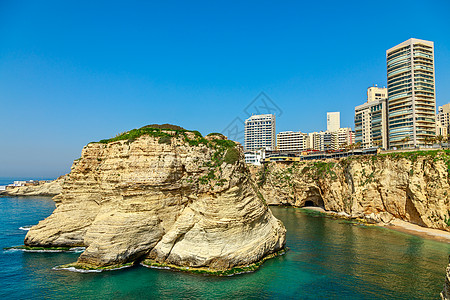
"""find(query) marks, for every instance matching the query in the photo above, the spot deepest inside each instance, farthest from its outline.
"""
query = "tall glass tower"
(411, 93)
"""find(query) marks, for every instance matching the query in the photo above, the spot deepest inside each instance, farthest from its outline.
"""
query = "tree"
(440, 138)
(405, 141)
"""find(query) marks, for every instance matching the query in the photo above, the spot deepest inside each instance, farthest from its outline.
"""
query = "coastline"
(398, 225)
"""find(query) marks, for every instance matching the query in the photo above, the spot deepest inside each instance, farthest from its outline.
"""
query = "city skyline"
(66, 82)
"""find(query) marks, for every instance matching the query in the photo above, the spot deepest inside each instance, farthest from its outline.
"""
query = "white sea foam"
(72, 250)
(154, 267)
(26, 228)
(77, 249)
(73, 269)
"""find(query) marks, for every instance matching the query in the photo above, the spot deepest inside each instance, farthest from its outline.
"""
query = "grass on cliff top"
(415, 154)
(166, 131)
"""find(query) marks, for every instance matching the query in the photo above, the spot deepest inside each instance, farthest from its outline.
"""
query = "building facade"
(260, 132)
(411, 93)
(316, 141)
(371, 120)
(255, 157)
(293, 142)
(342, 138)
(333, 121)
(443, 120)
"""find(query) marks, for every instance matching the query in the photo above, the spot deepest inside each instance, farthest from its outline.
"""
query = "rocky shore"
(52, 188)
(166, 197)
(411, 187)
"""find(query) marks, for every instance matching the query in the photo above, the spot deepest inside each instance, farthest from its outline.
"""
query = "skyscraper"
(411, 93)
(260, 132)
(333, 121)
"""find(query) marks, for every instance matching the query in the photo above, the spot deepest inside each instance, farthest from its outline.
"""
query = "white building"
(290, 141)
(255, 157)
(260, 132)
(333, 121)
(342, 138)
(317, 141)
(371, 119)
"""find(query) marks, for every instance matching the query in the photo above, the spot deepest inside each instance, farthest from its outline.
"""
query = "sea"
(327, 259)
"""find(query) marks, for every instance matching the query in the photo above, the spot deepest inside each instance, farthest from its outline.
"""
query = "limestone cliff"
(171, 196)
(413, 187)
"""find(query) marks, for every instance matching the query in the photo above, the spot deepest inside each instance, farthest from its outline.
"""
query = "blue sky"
(72, 72)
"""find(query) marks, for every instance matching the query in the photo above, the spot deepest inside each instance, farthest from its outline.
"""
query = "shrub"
(165, 140)
(231, 156)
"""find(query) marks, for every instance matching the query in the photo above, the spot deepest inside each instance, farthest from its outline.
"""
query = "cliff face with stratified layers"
(175, 198)
(413, 187)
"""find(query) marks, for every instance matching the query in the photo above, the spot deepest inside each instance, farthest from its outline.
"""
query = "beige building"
(316, 141)
(371, 119)
(290, 141)
(443, 120)
(333, 121)
(411, 93)
(341, 138)
(260, 132)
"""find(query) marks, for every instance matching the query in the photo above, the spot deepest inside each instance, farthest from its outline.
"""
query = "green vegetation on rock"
(231, 156)
(165, 140)
(206, 271)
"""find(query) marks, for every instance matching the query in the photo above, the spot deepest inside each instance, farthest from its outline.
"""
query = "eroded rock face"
(167, 200)
(414, 189)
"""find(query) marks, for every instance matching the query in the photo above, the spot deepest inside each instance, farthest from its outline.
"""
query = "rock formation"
(170, 196)
(413, 187)
(47, 189)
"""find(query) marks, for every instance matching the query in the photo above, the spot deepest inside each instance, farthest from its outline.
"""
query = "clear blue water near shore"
(328, 259)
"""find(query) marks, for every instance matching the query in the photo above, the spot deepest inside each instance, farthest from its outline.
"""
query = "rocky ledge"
(52, 188)
(167, 197)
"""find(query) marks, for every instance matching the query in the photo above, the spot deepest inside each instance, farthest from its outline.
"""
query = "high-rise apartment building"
(443, 120)
(411, 93)
(317, 141)
(290, 141)
(260, 132)
(371, 119)
(333, 121)
(341, 138)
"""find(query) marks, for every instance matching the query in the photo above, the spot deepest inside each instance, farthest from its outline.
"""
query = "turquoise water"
(328, 259)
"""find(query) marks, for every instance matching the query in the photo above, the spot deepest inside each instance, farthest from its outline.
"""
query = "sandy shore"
(403, 226)
(428, 233)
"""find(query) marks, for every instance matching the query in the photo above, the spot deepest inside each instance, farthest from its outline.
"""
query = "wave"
(26, 228)
(71, 250)
(73, 269)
